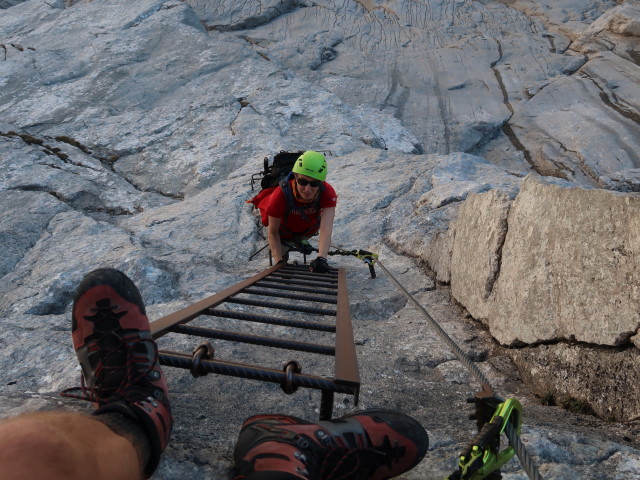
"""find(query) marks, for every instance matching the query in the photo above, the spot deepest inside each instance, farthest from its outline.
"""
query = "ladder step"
(312, 277)
(253, 339)
(277, 286)
(331, 286)
(280, 306)
(291, 296)
(214, 312)
(181, 360)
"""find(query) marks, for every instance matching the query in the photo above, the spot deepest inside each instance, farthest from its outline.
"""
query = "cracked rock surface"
(487, 150)
(556, 265)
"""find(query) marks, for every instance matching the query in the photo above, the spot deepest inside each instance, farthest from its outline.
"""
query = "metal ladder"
(298, 286)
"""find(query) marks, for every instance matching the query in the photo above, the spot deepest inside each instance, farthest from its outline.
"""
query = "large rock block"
(481, 228)
(568, 267)
(423, 217)
(558, 263)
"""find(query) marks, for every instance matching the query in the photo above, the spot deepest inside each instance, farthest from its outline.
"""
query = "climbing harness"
(484, 459)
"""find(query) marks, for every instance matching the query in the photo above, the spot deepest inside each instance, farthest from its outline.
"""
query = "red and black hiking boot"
(371, 445)
(119, 358)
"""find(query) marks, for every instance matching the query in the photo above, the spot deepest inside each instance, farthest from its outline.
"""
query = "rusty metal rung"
(254, 339)
(291, 288)
(332, 286)
(318, 279)
(291, 296)
(332, 275)
(281, 306)
(269, 320)
(304, 269)
(255, 372)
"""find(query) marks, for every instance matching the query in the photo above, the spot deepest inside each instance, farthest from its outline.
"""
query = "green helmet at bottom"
(312, 164)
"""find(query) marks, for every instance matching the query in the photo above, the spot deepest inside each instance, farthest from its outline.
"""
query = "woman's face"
(306, 187)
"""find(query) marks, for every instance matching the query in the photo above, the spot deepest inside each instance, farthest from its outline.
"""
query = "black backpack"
(280, 168)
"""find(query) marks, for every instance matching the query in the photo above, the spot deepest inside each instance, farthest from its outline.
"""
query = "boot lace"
(112, 345)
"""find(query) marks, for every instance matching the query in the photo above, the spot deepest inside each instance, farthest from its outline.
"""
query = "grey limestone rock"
(130, 131)
(9, 3)
(44, 280)
(604, 380)
(568, 276)
(584, 141)
(617, 30)
(68, 171)
(25, 217)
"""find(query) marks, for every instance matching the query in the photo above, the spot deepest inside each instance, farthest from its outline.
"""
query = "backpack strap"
(288, 195)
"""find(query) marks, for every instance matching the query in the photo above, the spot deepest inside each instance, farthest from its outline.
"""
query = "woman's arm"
(273, 235)
(326, 229)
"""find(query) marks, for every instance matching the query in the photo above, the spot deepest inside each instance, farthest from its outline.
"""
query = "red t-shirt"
(296, 223)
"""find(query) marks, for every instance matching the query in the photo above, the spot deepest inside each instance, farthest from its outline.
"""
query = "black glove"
(305, 247)
(319, 265)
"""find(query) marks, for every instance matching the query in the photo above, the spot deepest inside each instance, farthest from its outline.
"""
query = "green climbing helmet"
(312, 164)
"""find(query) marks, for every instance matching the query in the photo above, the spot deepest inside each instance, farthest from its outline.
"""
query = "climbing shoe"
(119, 359)
(371, 445)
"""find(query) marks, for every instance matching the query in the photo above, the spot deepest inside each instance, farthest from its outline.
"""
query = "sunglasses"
(303, 183)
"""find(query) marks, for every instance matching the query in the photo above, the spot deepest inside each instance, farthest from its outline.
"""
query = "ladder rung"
(331, 286)
(325, 281)
(269, 320)
(291, 296)
(280, 306)
(253, 339)
(291, 288)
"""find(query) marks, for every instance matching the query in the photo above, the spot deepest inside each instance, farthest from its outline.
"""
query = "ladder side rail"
(346, 367)
(161, 326)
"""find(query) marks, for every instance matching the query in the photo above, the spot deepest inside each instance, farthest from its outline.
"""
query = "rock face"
(586, 142)
(129, 132)
(557, 264)
(571, 273)
(604, 380)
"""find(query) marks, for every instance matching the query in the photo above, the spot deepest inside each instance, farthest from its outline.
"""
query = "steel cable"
(523, 455)
(446, 338)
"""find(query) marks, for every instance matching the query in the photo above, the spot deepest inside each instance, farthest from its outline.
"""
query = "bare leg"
(64, 445)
